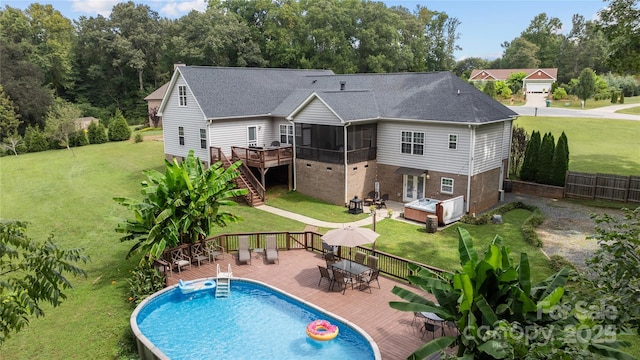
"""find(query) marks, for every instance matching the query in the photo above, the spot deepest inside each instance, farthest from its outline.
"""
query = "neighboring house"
(153, 104)
(536, 81)
(333, 137)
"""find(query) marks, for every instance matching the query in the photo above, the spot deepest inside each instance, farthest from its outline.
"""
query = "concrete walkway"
(380, 214)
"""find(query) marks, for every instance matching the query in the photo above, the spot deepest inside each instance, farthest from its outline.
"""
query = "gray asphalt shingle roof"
(437, 96)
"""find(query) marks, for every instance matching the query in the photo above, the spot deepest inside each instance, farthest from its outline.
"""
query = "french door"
(413, 187)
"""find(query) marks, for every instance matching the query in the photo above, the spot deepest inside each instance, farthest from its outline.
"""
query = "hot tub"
(447, 211)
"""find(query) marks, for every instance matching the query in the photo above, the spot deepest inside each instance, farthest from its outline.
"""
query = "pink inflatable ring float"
(322, 330)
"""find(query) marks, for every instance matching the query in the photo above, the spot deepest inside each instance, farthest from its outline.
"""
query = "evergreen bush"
(118, 128)
(97, 133)
(138, 138)
(621, 99)
(560, 162)
(35, 140)
(530, 163)
(490, 89)
(78, 138)
(614, 96)
(545, 158)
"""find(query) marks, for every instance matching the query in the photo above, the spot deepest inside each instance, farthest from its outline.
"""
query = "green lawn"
(595, 145)
(590, 103)
(631, 111)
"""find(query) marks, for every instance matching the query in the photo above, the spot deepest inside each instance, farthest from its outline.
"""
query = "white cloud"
(177, 8)
(93, 7)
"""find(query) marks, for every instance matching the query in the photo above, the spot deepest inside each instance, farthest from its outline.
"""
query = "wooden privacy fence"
(602, 187)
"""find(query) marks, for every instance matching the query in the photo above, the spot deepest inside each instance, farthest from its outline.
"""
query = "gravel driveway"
(566, 227)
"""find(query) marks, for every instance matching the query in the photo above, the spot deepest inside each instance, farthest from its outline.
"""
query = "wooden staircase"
(255, 191)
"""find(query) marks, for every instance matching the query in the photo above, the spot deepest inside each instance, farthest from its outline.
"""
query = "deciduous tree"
(61, 122)
(620, 22)
(31, 273)
(586, 85)
(520, 54)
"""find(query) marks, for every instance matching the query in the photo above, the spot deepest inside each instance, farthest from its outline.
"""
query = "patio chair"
(180, 259)
(214, 250)
(244, 253)
(326, 274)
(271, 250)
(330, 258)
(360, 257)
(339, 278)
(275, 143)
(367, 279)
(382, 202)
(198, 254)
(372, 262)
(370, 199)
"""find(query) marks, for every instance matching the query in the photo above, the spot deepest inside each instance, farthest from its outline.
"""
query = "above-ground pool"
(256, 321)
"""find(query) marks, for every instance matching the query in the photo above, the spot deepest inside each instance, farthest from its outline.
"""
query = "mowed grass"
(590, 103)
(631, 111)
(595, 145)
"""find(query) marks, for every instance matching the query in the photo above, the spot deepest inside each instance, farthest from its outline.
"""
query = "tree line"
(102, 64)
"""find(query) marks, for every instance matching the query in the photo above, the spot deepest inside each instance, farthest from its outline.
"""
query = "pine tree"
(118, 128)
(560, 163)
(545, 158)
(528, 171)
(97, 133)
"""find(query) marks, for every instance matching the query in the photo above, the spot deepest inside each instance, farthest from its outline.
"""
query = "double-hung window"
(446, 185)
(453, 141)
(412, 142)
(203, 138)
(181, 135)
(182, 95)
(286, 134)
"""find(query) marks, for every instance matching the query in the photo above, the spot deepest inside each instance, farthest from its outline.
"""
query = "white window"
(203, 138)
(412, 142)
(453, 141)
(182, 93)
(286, 134)
(181, 135)
(446, 185)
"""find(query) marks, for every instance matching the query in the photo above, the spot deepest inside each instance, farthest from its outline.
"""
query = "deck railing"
(253, 183)
(388, 264)
(263, 157)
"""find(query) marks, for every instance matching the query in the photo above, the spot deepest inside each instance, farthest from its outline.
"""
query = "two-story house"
(411, 135)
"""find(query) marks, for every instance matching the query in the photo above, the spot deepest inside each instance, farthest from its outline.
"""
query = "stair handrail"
(244, 169)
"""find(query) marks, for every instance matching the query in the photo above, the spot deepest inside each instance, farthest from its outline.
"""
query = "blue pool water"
(255, 322)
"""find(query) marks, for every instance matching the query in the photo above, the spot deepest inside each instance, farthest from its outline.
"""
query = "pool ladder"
(223, 288)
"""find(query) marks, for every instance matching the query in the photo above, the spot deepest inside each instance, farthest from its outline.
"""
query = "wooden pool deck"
(298, 274)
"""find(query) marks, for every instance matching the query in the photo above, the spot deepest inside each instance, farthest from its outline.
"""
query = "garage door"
(538, 87)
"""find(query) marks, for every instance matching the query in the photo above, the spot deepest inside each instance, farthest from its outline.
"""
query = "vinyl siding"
(506, 138)
(488, 147)
(316, 112)
(437, 155)
(190, 117)
(227, 133)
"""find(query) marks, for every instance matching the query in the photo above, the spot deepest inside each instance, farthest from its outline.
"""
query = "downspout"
(294, 153)
(346, 165)
(472, 144)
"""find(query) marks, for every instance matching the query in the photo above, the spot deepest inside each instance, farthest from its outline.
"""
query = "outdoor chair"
(339, 278)
(198, 254)
(180, 259)
(271, 250)
(214, 250)
(327, 249)
(244, 253)
(360, 257)
(372, 262)
(370, 199)
(382, 202)
(275, 143)
(367, 279)
(330, 258)
(326, 274)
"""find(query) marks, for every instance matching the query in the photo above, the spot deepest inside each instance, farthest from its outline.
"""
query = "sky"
(484, 24)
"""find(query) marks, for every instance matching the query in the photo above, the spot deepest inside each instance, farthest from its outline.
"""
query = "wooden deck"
(298, 274)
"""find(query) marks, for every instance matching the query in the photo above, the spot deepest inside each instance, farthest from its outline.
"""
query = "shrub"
(490, 89)
(118, 128)
(559, 93)
(35, 140)
(144, 281)
(621, 99)
(545, 158)
(78, 138)
(530, 162)
(97, 133)
(560, 162)
(138, 138)
(614, 96)
(557, 262)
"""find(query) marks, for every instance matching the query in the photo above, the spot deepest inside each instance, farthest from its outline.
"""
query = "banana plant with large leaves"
(493, 302)
(180, 206)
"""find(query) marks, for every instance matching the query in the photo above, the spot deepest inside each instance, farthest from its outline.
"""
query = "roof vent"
(343, 84)
(458, 91)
